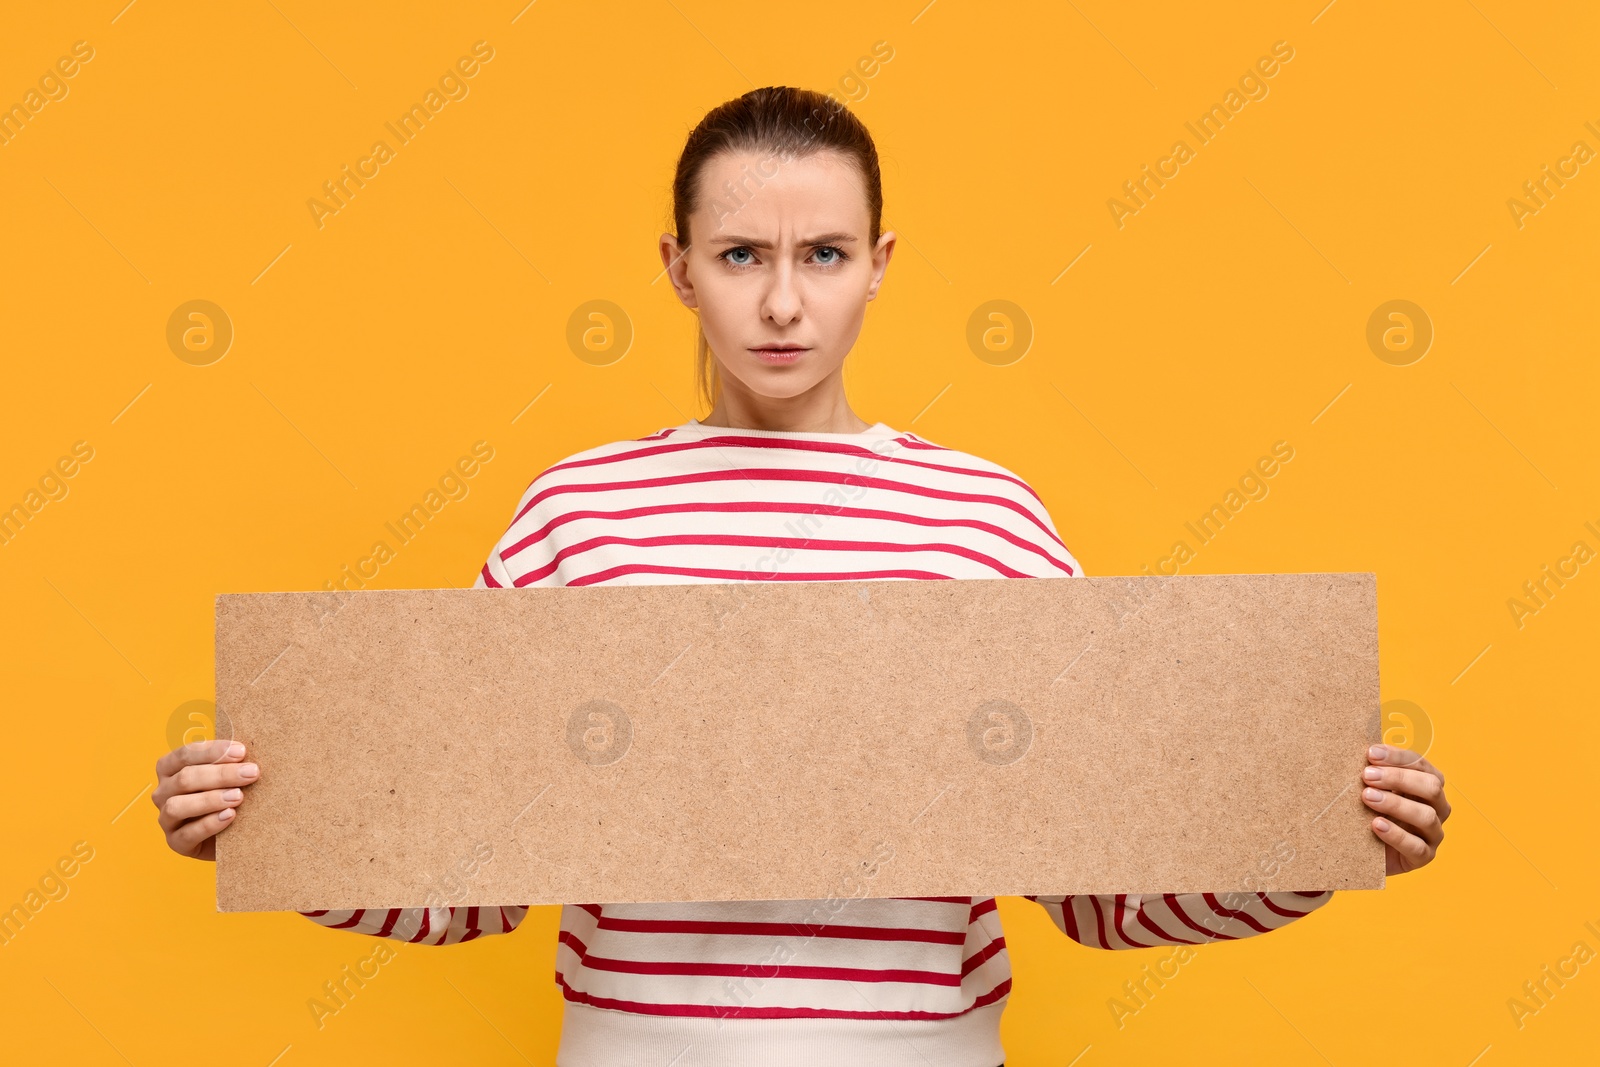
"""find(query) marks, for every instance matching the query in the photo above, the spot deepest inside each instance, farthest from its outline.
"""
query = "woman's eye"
(828, 256)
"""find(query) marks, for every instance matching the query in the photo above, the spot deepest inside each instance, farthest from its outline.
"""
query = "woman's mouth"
(779, 354)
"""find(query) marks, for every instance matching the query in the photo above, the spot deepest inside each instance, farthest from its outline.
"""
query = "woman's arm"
(424, 925)
(1131, 920)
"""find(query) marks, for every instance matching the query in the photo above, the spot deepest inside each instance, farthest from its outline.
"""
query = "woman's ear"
(674, 259)
(881, 254)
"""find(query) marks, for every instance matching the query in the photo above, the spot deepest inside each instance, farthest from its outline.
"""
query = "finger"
(1413, 848)
(1419, 784)
(184, 806)
(220, 750)
(1390, 756)
(1385, 756)
(1416, 784)
(197, 779)
(188, 838)
(1418, 817)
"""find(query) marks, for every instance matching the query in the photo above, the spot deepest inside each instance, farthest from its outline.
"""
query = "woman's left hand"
(1408, 793)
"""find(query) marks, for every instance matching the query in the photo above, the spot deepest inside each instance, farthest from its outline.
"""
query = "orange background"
(1229, 313)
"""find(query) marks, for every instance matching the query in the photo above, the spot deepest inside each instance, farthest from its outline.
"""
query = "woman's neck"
(833, 416)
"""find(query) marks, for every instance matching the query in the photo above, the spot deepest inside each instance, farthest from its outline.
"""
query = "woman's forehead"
(750, 192)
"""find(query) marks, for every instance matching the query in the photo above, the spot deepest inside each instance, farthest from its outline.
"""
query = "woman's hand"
(198, 786)
(1408, 792)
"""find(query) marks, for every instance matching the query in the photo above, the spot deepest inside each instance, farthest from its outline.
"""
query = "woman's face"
(780, 268)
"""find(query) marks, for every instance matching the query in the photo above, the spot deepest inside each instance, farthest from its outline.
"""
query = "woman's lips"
(779, 355)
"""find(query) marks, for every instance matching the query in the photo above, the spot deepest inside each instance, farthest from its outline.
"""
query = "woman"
(780, 191)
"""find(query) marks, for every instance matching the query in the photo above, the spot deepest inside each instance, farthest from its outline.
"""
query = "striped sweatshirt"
(919, 982)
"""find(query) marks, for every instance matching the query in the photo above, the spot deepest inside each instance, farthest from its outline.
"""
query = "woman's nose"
(782, 303)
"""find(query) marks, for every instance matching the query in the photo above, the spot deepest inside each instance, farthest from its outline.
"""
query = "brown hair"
(786, 123)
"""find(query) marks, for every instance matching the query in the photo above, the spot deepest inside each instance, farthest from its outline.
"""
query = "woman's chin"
(777, 383)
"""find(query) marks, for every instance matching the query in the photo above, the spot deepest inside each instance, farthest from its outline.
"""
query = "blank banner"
(800, 740)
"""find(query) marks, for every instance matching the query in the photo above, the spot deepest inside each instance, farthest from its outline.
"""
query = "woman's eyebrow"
(758, 242)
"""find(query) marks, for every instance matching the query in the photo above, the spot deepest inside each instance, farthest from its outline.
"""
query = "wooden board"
(800, 740)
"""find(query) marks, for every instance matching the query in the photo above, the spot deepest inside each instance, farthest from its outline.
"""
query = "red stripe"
(797, 444)
(1069, 920)
(354, 920)
(707, 1011)
(1209, 934)
(388, 922)
(1119, 909)
(755, 541)
(1285, 912)
(752, 970)
(851, 933)
(924, 443)
(937, 900)
(978, 959)
(1242, 916)
(792, 475)
(829, 446)
(751, 506)
(488, 579)
(422, 929)
(993, 995)
(734, 576)
(1099, 920)
(981, 908)
(1155, 928)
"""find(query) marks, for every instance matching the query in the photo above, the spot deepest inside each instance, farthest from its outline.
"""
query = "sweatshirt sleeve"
(1124, 920)
(1127, 920)
(431, 925)
(423, 926)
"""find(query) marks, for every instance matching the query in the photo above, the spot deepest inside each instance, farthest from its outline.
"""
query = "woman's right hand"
(198, 786)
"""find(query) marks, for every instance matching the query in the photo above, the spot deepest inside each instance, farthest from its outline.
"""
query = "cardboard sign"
(800, 740)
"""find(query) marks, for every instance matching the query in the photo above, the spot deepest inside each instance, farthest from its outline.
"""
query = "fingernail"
(225, 814)
(1382, 824)
(235, 750)
(231, 795)
(1372, 794)
(1377, 752)
(1372, 774)
(248, 770)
